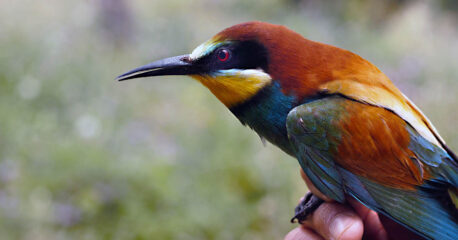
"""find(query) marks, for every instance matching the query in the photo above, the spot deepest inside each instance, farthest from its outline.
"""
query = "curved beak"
(179, 65)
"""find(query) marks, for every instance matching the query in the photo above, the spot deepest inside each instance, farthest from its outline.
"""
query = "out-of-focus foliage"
(85, 157)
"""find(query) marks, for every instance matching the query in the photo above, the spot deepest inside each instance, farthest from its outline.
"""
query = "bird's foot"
(307, 206)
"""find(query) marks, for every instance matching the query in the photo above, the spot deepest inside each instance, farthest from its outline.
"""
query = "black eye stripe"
(235, 55)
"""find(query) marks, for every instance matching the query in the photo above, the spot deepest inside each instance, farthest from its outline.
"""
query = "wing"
(378, 90)
(369, 152)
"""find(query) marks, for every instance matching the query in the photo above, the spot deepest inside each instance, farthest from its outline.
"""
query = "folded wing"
(346, 146)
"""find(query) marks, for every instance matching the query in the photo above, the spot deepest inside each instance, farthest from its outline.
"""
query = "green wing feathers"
(351, 148)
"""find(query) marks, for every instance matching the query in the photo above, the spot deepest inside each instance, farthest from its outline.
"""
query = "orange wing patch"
(388, 97)
(375, 144)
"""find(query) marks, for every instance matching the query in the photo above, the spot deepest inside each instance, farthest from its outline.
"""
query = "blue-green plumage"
(314, 136)
(266, 114)
(315, 133)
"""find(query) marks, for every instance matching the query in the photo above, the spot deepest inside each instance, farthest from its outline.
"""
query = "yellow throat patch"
(234, 86)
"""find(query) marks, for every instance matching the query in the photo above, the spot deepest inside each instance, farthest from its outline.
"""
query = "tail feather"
(429, 211)
(418, 210)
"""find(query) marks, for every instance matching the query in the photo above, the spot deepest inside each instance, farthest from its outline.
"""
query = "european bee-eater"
(352, 131)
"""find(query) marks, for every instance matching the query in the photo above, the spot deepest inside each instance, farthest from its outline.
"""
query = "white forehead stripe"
(205, 48)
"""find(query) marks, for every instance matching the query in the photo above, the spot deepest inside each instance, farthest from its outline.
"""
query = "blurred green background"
(85, 157)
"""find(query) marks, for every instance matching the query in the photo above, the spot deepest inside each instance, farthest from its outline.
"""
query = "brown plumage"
(306, 68)
(375, 145)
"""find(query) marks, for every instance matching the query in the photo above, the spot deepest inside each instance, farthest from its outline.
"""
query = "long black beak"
(179, 65)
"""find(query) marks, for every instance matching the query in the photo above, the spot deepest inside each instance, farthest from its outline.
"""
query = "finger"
(313, 189)
(336, 221)
(373, 228)
(302, 233)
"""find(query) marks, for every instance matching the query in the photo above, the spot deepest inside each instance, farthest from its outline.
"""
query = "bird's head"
(243, 59)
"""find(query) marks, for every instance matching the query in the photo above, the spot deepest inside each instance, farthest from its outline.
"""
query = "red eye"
(223, 55)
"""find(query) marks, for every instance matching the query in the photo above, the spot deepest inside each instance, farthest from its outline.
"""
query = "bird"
(353, 132)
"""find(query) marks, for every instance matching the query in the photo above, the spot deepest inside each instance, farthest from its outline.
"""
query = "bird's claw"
(307, 206)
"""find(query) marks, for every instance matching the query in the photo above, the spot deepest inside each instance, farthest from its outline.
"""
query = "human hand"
(354, 221)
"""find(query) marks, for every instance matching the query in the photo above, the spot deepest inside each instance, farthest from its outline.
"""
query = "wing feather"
(371, 153)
